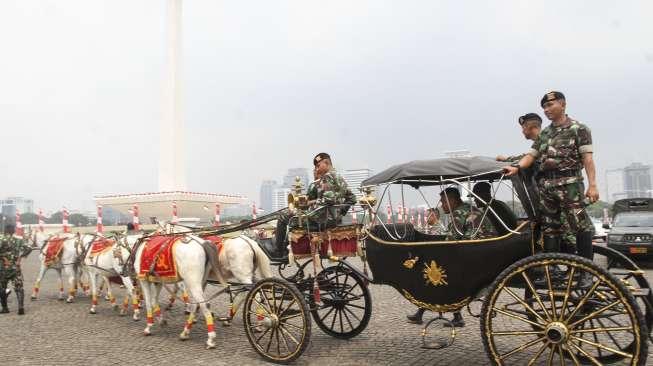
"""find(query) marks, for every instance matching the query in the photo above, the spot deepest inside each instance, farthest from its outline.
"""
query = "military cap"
(529, 117)
(450, 192)
(551, 96)
(319, 157)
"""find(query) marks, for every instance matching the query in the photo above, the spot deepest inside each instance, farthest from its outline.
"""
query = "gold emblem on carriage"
(435, 275)
(410, 263)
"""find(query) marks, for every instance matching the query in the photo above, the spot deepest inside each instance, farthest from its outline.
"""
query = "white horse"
(68, 261)
(110, 263)
(197, 260)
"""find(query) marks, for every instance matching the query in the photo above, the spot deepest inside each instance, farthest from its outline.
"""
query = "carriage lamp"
(368, 199)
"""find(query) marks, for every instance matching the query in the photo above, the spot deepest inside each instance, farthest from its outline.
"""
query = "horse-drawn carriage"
(534, 306)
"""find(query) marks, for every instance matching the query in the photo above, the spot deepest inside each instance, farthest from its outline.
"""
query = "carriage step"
(640, 292)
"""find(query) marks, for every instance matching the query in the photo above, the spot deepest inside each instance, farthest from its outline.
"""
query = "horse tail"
(212, 257)
(262, 260)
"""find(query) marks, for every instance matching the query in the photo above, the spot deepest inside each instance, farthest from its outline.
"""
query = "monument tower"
(172, 169)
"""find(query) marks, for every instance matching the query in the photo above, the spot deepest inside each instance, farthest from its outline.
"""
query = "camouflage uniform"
(332, 201)
(12, 249)
(568, 237)
(559, 151)
(465, 222)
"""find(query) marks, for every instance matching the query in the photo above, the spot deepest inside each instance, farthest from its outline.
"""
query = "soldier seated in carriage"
(329, 199)
(466, 222)
(499, 214)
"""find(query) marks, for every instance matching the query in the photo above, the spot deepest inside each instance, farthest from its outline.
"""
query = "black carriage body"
(443, 275)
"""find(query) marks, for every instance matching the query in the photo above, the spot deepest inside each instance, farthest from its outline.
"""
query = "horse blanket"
(157, 260)
(100, 246)
(53, 250)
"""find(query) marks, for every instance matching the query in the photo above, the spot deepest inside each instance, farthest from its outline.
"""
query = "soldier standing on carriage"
(563, 148)
(12, 249)
(531, 125)
(329, 191)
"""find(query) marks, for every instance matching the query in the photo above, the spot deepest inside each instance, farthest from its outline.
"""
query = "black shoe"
(417, 317)
(21, 311)
(457, 321)
(4, 311)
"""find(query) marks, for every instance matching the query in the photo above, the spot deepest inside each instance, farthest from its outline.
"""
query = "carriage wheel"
(539, 311)
(346, 303)
(631, 275)
(276, 320)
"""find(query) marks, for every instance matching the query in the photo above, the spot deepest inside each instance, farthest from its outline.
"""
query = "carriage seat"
(400, 233)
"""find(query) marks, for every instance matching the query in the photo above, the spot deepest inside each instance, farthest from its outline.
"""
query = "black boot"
(551, 244)
(457, 320)
(584, 245)
(3, 301)
(20, 296)
(417, 317)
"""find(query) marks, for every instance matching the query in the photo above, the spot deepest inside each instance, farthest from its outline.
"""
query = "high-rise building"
(354, 178)
(267, 191)
(280, 198)
(289, 178)
(637, 180)
(9, 205)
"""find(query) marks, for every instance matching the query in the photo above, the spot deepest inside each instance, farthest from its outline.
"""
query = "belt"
(555, 174)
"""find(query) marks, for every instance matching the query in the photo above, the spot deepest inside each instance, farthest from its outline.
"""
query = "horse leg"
(158, 315)
(147, 293)
(92, 279)
(172, 297)
(131, 293)
(110, 296)
(190, 320)
(72, 282)
(62, 295)
(37, 283)
(197, 294)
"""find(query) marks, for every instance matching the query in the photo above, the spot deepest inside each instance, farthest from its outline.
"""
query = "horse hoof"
(163, 322)
(210, 345)
(60, 299)
(184, 336)
(33, 298)
(92, 311)
(226, 323)
(186, 312)
(147, 332)
(135, 318)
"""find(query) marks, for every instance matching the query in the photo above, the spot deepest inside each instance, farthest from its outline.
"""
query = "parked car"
(632, 229)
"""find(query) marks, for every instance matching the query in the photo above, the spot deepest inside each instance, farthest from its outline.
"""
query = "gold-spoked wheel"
(562, 309)
(277, 321)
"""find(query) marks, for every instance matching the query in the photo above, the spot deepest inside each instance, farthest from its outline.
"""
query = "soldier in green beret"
(563, 148)
(12, 249)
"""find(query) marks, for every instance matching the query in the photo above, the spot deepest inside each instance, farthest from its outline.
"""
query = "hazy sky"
(270, 83)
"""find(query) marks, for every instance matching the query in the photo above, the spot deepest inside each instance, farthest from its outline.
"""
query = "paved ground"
(55, 333)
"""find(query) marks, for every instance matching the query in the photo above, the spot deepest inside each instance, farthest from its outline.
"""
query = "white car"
(599, 231)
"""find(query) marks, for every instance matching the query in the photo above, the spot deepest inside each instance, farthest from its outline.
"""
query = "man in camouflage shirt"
(12, 249)
(531, 125)
(466, 221)
(330, 200)
(563, 148)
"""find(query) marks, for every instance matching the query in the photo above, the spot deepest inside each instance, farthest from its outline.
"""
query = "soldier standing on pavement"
(563, 148)
(12, 250)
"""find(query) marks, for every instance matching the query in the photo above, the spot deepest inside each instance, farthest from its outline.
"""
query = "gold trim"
(439, 308)
(475, 241)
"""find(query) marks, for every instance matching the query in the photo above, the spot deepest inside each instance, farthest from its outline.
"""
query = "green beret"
(551, 96)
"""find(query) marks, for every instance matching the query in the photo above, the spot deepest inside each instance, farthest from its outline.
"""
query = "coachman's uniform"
(12, 249)
(559, 151)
